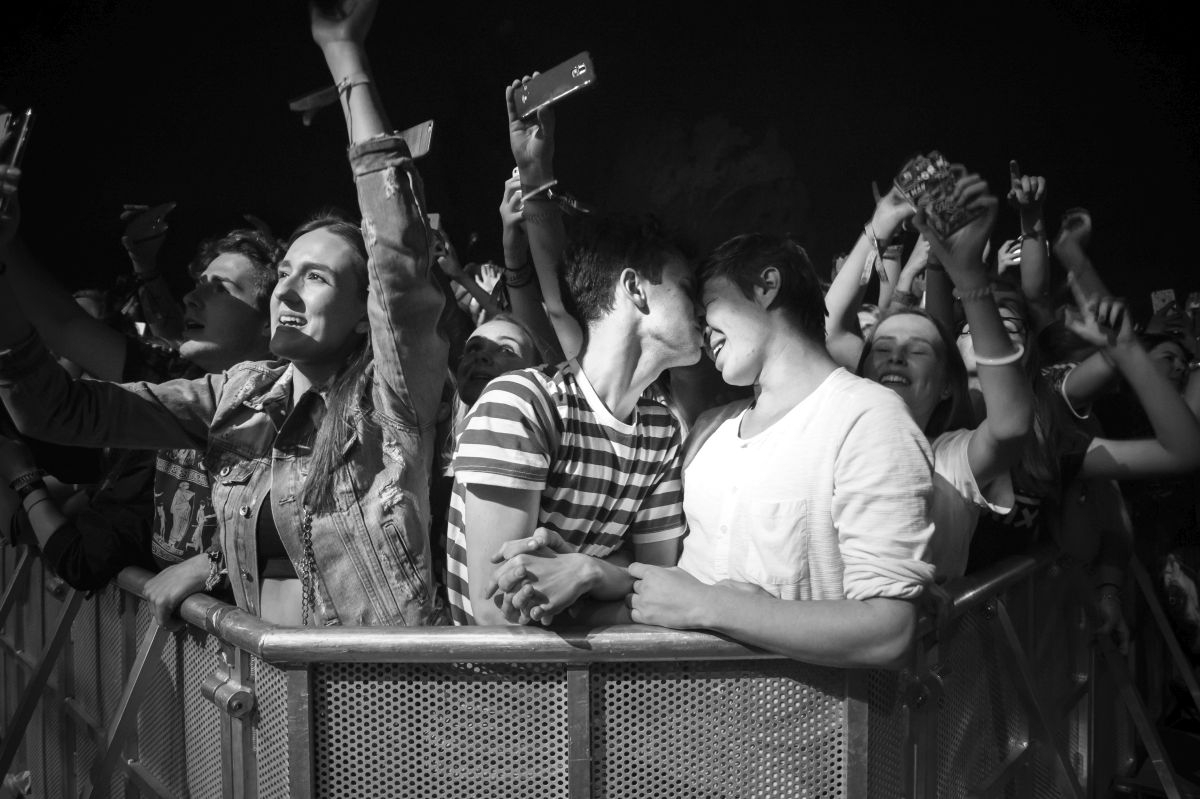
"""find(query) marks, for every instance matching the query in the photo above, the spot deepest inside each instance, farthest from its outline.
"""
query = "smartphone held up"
(554, 84)
(14, 137)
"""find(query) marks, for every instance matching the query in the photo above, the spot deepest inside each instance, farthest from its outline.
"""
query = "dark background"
(720, 121)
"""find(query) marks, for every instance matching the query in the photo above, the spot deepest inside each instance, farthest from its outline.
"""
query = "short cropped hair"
(742, 259)
(261, 250)
(599, 249)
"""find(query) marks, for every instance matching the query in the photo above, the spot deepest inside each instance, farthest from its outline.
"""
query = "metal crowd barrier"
(1003, 697)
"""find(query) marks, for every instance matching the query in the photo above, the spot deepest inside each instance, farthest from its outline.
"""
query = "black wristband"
(27, 489)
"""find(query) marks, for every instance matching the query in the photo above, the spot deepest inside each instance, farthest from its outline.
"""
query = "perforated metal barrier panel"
(614, 727)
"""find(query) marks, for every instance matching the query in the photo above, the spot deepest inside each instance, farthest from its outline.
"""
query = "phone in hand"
(927, 182)
(554, 84)
(1161, 299)
(14, 137)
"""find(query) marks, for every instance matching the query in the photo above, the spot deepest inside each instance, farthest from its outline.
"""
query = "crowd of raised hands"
(352, 425)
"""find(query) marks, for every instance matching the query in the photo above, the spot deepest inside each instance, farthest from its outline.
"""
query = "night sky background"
(750, 118)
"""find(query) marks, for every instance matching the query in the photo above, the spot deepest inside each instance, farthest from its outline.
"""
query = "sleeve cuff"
(378, 153)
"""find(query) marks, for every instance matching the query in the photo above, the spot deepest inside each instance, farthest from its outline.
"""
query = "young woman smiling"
(320, 463)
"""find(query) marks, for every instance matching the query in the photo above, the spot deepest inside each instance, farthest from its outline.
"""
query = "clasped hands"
(538, 577)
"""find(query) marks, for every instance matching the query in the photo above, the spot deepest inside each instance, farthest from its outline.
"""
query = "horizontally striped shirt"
(602, 480)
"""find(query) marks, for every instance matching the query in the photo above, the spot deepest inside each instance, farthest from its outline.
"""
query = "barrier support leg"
(15, 730)
(126, 719)
(1033, 705)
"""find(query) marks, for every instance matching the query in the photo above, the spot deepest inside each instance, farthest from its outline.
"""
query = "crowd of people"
(353, 427)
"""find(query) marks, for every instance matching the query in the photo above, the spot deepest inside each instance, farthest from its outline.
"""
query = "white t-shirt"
(957, 501)
(830, 502)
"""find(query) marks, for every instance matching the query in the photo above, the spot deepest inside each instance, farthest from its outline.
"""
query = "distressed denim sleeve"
(404, 302)
(46, 403)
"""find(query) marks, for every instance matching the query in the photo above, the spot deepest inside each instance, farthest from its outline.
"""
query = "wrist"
(344, 57)
(884, 224)
(534, 175)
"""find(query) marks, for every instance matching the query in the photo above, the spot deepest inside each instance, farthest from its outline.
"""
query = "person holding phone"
(320, 462)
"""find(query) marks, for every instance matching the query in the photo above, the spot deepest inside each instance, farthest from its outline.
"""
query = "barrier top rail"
(632, 642)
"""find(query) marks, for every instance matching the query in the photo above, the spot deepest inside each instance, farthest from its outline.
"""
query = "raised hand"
(446, 257)
(532, 141)
(891, 210)
(1075, 230)
(1026, 193)
(10, 220)
(145, 230)
(335, 21)
(1102, 322)
(1008, 256)
(962, 252)
(489, 276)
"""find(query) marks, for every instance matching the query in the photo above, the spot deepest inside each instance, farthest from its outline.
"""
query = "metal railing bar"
(295, 645)
(1025, 689)
(34, 690)
(1004, 775)
(976, 589)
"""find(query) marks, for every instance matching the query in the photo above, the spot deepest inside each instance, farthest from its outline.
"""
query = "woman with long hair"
(319, 462)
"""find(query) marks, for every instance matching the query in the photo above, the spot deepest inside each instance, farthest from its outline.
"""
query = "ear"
(630, 282)
(768, 288)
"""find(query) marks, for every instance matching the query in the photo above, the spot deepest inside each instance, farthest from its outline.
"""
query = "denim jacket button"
(245, 511)
(224, 471)
(247, 576)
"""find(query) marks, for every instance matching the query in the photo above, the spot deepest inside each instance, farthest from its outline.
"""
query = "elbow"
(890, 644)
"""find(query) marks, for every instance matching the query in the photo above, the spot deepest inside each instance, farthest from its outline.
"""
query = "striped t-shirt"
(602, 480)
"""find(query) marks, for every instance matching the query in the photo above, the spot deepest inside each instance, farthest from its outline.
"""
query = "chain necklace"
(308, 567)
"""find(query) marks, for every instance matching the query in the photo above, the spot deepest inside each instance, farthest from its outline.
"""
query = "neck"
(307, 375)
(620, 367)
(794, 368)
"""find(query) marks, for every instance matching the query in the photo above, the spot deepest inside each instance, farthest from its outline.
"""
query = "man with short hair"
(817, 491)
(574, 451)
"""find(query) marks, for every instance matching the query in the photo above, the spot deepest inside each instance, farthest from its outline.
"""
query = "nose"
(285, 290)
(194, 298)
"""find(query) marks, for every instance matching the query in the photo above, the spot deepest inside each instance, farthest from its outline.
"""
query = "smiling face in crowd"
(735, 330)
(318, 308)
(908, 356)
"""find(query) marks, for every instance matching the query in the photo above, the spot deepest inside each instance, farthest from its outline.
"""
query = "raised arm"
(845, 293)
(999, 440)
(1070, 247)
(65, 327)
(404, 302)
(1175, 448)
(524, 293)
(532, 143)
(1027, 194)
(145, 231)
(906, 294)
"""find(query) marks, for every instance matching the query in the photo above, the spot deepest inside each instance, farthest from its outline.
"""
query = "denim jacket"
(372, 552)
